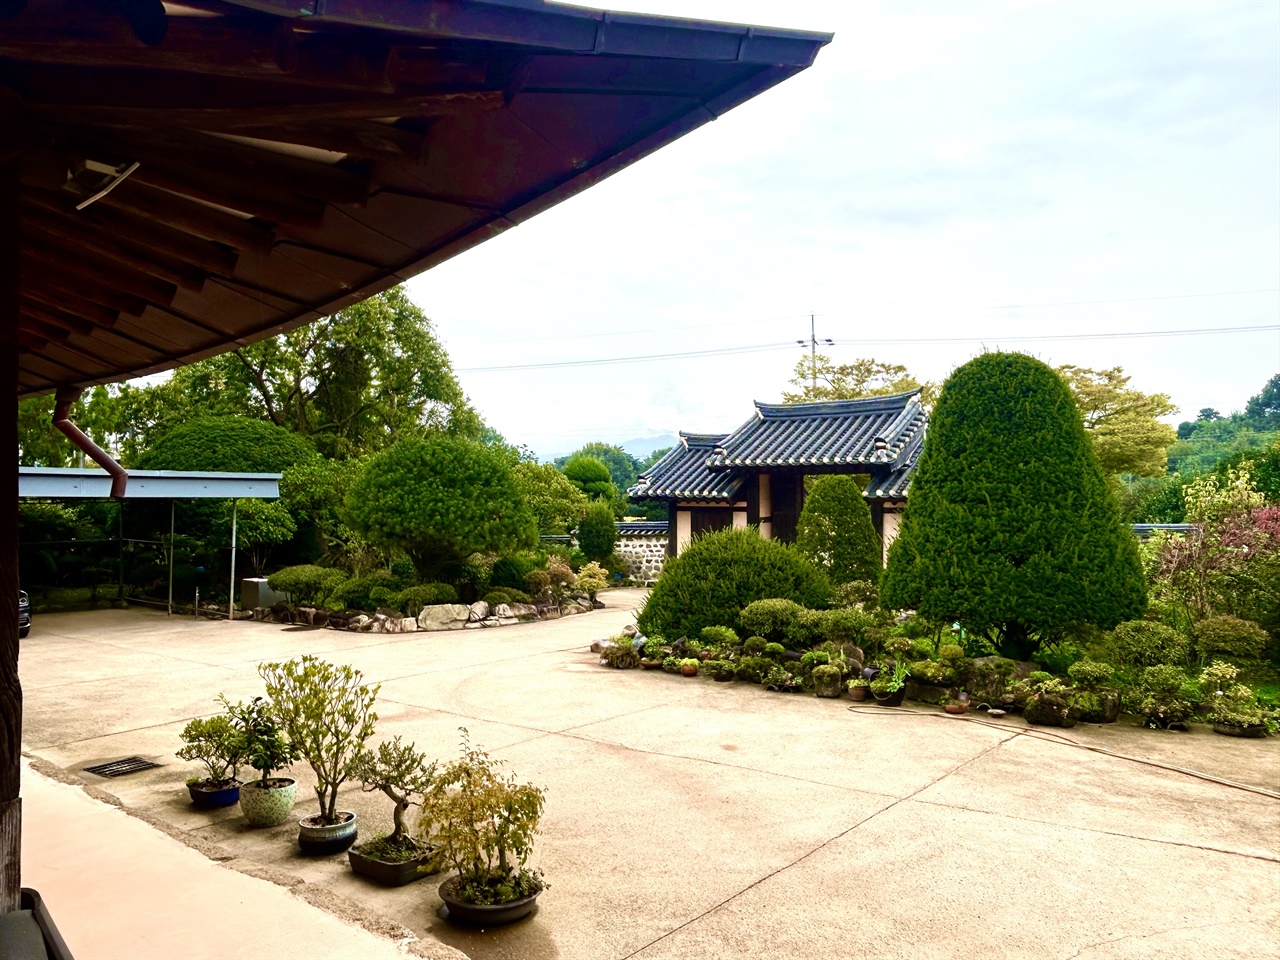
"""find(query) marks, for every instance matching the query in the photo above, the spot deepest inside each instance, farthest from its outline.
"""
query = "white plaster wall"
(684, 529)
(739, 519)
(892, 521)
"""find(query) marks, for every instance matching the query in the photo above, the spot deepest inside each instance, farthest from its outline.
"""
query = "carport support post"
(10, 689)
(231, 597)
(170, 556)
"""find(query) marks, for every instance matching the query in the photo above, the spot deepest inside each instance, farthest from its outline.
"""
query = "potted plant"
(671, 664)
(858, 689)
(217, 744)
(827, 681)
(689, 667)
(1233, 707)
(720, 670)
(889, 684)
(266, 801)
(327, 713)
(958, 704)
(620, 652)
(653, 654)
(484, 823)
(403, 774)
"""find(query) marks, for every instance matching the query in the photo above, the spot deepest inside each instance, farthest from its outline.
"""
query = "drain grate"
(120, 768)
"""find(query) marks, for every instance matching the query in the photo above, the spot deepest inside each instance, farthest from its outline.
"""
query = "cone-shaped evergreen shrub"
(835, 531)
(1010, 527)
(721, 572)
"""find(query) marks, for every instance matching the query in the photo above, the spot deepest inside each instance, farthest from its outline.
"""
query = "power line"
(790, 345)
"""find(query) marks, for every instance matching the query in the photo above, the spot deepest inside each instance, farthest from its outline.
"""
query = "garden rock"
(928, 692)
(479, 610)
(443, 616)
(569, 609)
(1102, 706)
(524, 610)
(389, 612)
(357, 622)
(305, 614)
(281, 613)
(551, 613)
(630, 631)
(502, 611)
(1049, 711)
(585, 606)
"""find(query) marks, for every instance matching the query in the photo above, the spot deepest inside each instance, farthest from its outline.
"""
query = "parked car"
(24, 613)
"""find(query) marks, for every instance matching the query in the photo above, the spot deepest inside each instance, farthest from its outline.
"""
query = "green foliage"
(485, 823)
(327, 714)
(817, 378)
(671, 664)
(557, 505)
(511, 572)
(217, 744)
(1090, 674)
(401, 772)
(773, 617)
(233, 444)
(1204, 445)
(266, 748)
(1011, 528)
(653, 648)
(719, 669)
(1123, 424)
(536, 581)
(754, 669)
(1058, 657)
(754, 645)
(1144, 643)
(623, 468)
(1165, 697)
(598, 531)
(368, 592)
(889, 681)
(440, 499)
(855, 593)
(314, 490)
(720, 636)
(306, 584)
(592, 578)
(835, 531)
(774, 650)
(1225, 635)
(261, 525)
(505, 595)
(413, 599)
(591, 476)
(719, 574)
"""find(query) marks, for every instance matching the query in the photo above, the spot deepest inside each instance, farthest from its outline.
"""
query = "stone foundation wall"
(644, 556)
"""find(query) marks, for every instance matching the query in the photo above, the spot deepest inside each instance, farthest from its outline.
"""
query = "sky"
(975, 172)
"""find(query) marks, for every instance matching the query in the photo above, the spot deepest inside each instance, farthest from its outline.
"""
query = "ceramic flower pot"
(890, 699)
(1232, 730)
(206, 797)
(393, 874)
(689, 669)
(269, 806)
(858, 693)
(317, 838)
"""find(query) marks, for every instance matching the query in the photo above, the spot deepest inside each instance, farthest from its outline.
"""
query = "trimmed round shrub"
(505, 595)
(413, 599)
(510, 572)
(1145, 643)
(720, 636)
(721, 573)
(774, 618)
(234, 444)
(368, 592)
(1090, 674)
(306, 584)
(1011, 528)
(535, 581)
(1229, 636)
(835, 531)
(754, 646)
(598, 531)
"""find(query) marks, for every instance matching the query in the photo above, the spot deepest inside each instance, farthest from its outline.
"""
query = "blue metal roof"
(683, 473)
(66, 483)
(873, 430)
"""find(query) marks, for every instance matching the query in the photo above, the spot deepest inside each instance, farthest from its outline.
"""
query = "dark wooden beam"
(40, 278)
(189, 216)
(52, 230)
(232, 119)
(58, 300)
(10, 686)
(235, 194)
(357, 138)
(142, 234)
(57, 318)
(80, 264)
(45, 331)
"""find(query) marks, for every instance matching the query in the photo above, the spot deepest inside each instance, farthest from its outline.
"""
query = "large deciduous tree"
(556, 503)
(835, 531)
(440, 499)
(1010, 527)
(817, 378)
(1122, 423)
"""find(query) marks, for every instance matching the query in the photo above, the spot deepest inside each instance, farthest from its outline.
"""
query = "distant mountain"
(641, 447)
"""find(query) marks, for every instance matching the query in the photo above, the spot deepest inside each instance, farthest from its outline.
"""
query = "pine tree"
(835, 531)
(1010, 527)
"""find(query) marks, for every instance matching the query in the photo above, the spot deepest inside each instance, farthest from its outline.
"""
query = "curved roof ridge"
(827, 408)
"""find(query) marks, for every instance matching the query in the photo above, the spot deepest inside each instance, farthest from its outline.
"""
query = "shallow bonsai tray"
(387, 873)
(485, 915)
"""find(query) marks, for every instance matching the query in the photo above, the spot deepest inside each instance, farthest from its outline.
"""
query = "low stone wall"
(439, 616)
(644, 556)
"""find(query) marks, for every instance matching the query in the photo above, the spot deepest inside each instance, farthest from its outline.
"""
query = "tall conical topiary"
(1010, 527)
(835, 531)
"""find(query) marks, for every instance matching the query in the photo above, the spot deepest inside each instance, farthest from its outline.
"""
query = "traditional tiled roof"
(894, 484)
(683, 473)
(873, 430)
(642, 528)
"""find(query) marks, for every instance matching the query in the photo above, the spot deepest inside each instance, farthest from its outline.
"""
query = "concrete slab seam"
(1157, 933)
(830, 840)
(1266, 858)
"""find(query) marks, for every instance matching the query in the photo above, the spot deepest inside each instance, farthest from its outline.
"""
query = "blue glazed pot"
(212, 799)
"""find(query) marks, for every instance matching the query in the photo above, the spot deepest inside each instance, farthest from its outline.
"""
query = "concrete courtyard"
(684, 818)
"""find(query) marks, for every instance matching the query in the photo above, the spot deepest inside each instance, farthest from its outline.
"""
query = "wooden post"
(10, 688)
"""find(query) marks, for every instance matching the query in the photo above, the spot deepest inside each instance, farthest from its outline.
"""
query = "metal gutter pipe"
(66, 397)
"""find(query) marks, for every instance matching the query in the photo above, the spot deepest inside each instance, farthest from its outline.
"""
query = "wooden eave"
(252, 166)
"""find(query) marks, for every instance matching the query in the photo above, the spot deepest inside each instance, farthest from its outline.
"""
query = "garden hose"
(1052, 737)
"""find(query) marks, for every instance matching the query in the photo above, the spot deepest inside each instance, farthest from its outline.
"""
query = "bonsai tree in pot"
(405, 776)
(827, 681)
(1050, 703)
(327, 713)
(1233, 707)
(1093, 700)
(266, 801)
(484, 823)
(889, 684)
(217, 744)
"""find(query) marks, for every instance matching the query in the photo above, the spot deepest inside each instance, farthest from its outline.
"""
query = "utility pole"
(813, 355)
